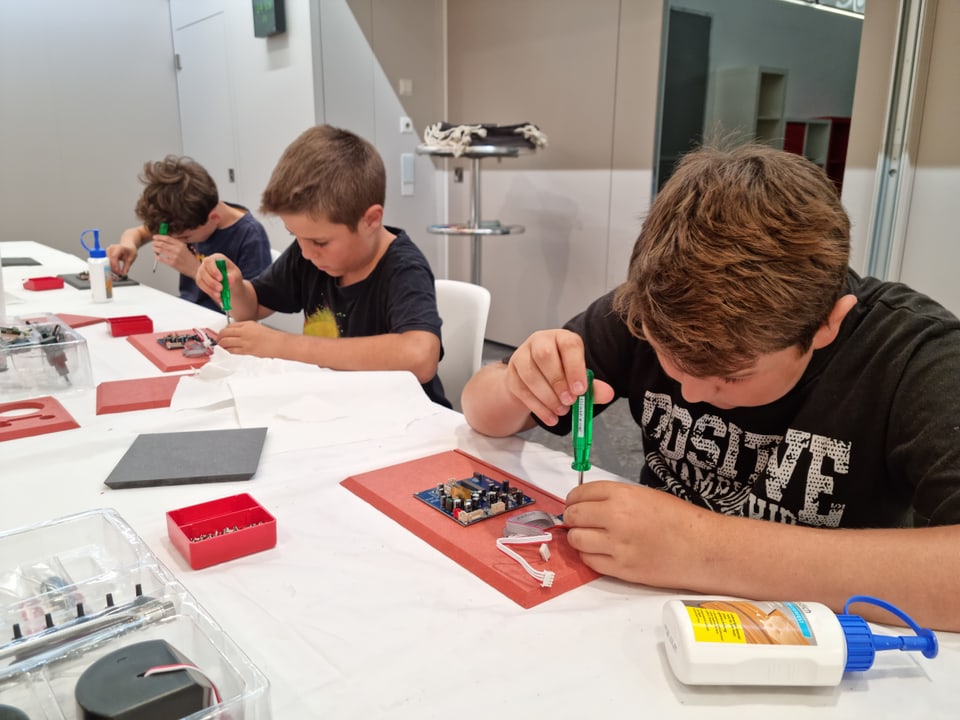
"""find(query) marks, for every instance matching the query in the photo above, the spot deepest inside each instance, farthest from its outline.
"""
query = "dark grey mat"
(181, 458)
(17, 261)
(84, 284)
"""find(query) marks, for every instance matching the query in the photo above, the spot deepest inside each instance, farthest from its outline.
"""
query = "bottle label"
(745, 622)
(108, 280)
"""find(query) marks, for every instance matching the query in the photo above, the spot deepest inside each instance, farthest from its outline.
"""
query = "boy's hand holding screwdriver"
(221, 279)
(224, 288)
(163, 230)
(582, 429)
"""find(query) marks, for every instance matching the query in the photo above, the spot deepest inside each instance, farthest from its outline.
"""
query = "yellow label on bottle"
(745, 621)
(715, 625)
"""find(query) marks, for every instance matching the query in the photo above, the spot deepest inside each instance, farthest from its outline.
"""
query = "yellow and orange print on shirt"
(321, 323)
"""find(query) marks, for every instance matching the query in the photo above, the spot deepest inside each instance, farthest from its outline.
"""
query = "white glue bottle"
(101, 280)
(723, 641)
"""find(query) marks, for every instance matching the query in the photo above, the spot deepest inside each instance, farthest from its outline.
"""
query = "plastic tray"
(75, 589)
(30, 361)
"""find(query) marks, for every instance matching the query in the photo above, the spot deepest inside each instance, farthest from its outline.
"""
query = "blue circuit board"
(473, 499)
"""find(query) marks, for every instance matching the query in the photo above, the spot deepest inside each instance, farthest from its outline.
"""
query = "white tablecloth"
(351, 615)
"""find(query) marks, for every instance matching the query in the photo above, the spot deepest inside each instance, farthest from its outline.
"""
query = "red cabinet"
(822, 140)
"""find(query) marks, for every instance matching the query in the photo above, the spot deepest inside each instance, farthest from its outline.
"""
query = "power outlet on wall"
(406, 126)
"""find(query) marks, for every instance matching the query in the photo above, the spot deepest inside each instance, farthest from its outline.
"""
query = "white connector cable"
(544, 576)
(526, 529)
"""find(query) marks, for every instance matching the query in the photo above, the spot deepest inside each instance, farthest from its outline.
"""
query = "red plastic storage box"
(220, 530)
(130, 325)
(43, 283)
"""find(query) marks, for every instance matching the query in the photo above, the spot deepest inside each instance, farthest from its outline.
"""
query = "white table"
(352, 616)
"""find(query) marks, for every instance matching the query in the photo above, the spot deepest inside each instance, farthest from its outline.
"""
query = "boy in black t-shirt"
(796, 419)
(366, 291)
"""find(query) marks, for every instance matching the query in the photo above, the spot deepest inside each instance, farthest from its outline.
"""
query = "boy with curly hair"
(180, 194)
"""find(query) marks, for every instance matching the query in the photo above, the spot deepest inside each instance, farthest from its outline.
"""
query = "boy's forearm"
(243, 302)
(489, 406)
(134, 237)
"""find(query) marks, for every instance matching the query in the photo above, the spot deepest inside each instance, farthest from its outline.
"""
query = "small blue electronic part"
(474, 499)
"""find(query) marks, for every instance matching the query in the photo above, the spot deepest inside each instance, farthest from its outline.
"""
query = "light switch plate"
(407, 173)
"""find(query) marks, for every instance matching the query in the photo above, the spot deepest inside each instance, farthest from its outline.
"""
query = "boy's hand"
(547, 373)
(175, 253)
(121, 257)
(252, 338)
(210, 280)
(638, 533)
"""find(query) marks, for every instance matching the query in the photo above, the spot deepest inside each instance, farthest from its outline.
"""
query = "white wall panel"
(542, 277)
(88, 94)
(359, 97)
(629, 203)
(932, 253)
(859, 188)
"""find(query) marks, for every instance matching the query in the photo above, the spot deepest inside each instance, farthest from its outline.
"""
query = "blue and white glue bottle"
(723, 641)
(101, 280)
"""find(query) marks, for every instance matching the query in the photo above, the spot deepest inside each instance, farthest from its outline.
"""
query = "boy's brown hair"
(179, 192)
(327, 173)
(744, 253)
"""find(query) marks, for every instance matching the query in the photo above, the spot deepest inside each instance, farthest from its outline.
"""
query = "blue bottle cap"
(862, 644)
(96, 251)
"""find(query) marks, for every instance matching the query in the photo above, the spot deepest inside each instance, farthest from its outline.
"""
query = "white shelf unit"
(748, 101)
(815, 134)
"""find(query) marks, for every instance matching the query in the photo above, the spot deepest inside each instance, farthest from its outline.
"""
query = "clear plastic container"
(78, 588)
(43, 353)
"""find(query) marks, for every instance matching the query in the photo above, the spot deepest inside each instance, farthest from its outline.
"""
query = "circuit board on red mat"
(475, 498)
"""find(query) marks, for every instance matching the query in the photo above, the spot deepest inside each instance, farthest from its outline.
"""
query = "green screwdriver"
(224, 288)
(583, 429)
(164, 228)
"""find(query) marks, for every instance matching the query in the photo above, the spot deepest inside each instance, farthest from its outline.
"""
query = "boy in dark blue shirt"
(180, 194)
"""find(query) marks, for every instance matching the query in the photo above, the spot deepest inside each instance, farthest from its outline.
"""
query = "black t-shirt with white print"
(868, 437)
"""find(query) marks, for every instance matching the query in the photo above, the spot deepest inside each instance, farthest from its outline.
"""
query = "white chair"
(463, 308)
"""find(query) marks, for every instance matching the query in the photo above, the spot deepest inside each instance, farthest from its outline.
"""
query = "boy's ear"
(830, 329)
(373, 216)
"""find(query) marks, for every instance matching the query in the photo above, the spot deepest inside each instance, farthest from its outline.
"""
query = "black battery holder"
(114, 687)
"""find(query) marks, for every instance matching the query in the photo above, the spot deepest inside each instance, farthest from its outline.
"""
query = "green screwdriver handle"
(225, 288)
(583, 427)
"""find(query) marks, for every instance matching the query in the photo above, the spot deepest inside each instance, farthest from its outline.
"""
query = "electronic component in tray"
(474, 499)
(178, 341)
